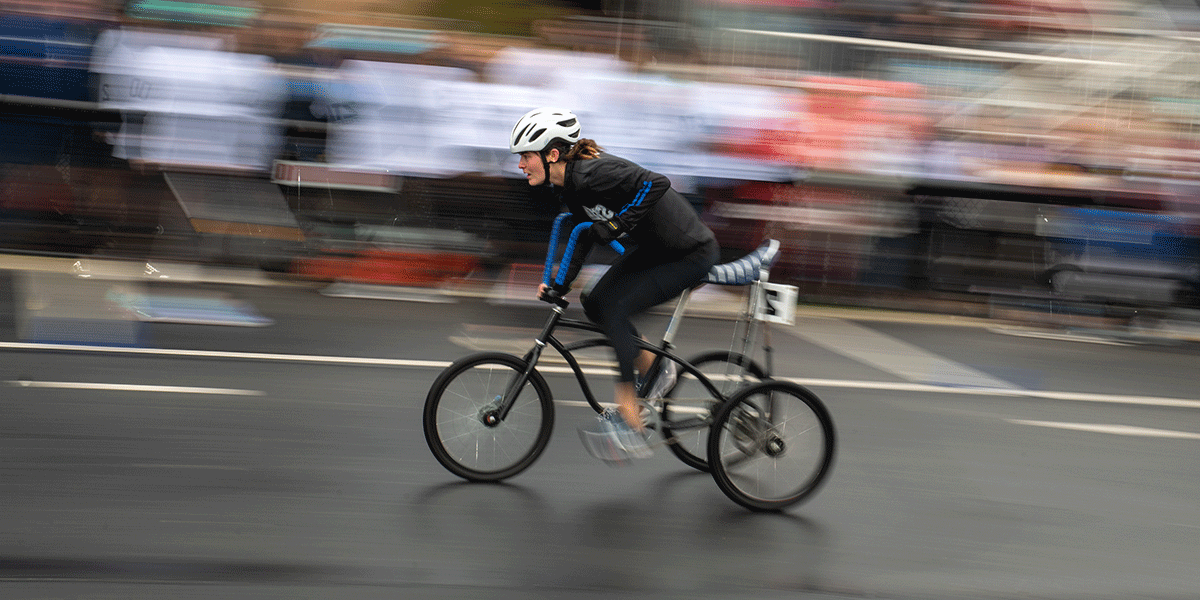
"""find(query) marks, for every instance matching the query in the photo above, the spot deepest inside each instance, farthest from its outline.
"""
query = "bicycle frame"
(752, 326)
(748, 319)
(558, 319)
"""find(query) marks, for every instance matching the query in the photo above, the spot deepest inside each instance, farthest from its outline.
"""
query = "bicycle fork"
(494, 415)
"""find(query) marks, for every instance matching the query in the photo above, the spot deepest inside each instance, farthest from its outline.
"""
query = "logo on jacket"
(598, 212)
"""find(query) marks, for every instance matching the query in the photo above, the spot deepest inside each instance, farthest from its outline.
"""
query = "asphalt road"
(286, 460)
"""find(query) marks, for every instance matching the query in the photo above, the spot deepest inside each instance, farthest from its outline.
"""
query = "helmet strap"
(546, 163)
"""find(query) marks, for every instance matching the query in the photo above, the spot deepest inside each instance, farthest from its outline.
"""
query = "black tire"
(771, 446)
(728, 372)
(455, 428)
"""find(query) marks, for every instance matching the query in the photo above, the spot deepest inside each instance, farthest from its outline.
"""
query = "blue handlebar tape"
(558, 221)
(570, 251)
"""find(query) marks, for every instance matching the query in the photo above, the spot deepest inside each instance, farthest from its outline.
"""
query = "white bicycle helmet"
(541, 126)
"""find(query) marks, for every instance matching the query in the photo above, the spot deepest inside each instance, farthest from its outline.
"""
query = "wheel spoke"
(454, 419)
(690, 399)
(770, 459)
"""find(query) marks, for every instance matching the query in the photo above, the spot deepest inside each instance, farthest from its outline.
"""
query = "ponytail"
(584, 149)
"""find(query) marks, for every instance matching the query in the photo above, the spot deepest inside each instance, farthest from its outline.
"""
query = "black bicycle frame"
(546, 336)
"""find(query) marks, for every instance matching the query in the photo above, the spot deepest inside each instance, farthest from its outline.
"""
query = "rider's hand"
(558, 290)
(607, 231)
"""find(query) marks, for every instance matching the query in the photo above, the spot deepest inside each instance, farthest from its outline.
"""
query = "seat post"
(749, 322)
(768, 351)
(676, 319)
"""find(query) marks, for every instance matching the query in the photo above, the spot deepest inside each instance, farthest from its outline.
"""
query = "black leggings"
(638, 281)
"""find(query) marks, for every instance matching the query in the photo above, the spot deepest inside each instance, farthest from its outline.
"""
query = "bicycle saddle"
(745, 269)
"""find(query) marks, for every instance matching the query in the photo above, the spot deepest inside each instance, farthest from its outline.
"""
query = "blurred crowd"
(717, 94)
(904, 90)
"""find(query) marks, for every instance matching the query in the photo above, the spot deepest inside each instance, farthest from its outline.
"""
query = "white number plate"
(777, 303)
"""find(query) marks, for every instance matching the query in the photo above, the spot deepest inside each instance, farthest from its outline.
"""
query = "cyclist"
(669, 250)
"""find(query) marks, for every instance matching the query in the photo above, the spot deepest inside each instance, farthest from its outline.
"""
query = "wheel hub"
(774, 446)
(489, 414)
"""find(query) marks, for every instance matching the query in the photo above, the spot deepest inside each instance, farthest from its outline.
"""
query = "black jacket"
(656, 217)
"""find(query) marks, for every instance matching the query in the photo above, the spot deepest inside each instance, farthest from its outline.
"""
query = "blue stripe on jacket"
(641, 195)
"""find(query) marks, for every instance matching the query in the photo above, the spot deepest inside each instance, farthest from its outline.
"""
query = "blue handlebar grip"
(558, 221)
(566, 259)
(570, 250)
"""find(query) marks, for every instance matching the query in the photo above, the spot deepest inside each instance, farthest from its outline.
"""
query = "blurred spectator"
(186, 102)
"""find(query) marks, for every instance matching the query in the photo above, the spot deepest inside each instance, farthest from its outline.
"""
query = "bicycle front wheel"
(771, 446)
(462, 418)
(690, 402)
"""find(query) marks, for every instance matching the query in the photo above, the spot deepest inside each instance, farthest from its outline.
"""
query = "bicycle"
(489, 416)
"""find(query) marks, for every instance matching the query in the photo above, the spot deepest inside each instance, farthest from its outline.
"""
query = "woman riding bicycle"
(671, 250)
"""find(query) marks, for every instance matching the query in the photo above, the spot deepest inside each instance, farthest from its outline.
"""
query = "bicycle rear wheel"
(771, 446)
(689, 399)
(461, 418)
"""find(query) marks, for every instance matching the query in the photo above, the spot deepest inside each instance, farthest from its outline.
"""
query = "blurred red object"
(387, 267)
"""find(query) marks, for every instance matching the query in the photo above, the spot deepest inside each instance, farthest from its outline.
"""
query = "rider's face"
(531, 165)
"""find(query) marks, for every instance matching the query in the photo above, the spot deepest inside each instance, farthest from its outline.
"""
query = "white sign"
(777, 303)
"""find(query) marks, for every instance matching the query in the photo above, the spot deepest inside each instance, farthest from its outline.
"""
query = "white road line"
(908, 387)
(988, 391)
(1115, 399)
(688, 410)
(130, 387)
(237, 523)
(580, 403)
(233, 523)
(566, 370)
(927, 388)
(167, 466)
(1058, 336)
(1111, 429)
(312, 358)
(891, 355)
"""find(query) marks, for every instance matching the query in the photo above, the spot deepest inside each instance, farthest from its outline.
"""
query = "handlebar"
(553, 247)
(552, 297)
(565, 263)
